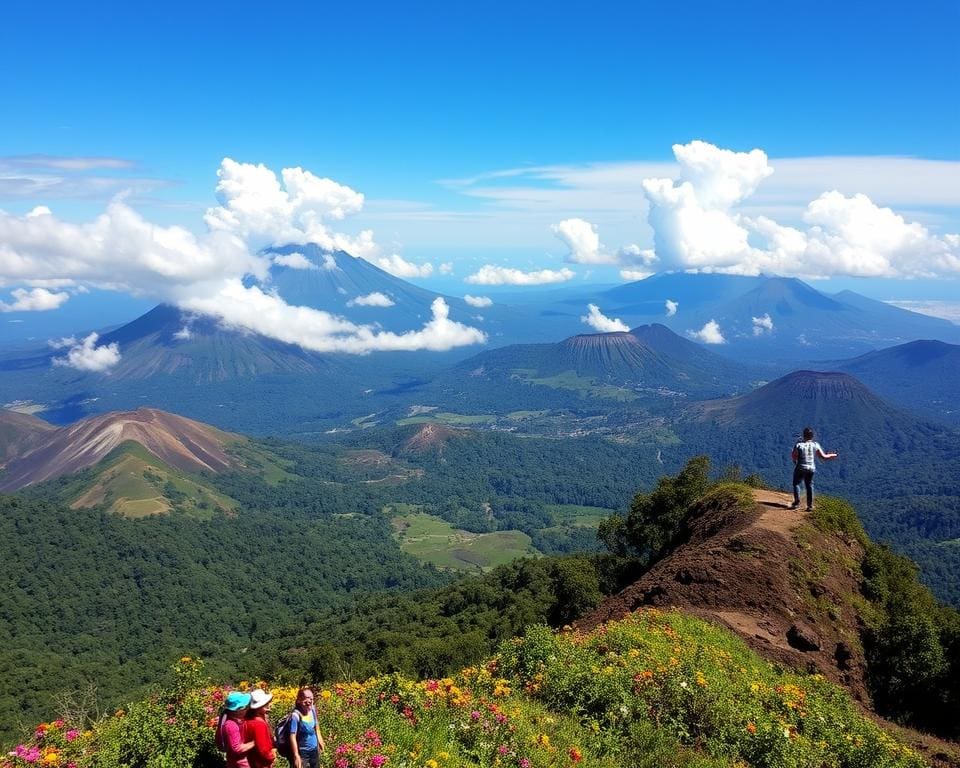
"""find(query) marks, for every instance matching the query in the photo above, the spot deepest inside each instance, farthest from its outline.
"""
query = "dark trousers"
(804, 476)
(310, 758)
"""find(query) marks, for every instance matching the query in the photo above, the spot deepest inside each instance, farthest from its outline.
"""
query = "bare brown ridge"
(184, 444)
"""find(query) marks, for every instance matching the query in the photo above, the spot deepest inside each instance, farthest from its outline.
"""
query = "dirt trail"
(782, 585)
(777, 515)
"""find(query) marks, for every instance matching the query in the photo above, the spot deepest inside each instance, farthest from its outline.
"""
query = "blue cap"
(236, 700)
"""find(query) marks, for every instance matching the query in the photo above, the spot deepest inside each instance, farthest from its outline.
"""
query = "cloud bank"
(698, 226)
(597, 320)
(250, 308)
(214, 273)
(490, 274)
(671, 306)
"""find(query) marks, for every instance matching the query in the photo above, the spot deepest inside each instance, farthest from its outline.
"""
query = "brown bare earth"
(182, 443)
(790, 591)
(19, 433)
(432, 436)
(752, 573)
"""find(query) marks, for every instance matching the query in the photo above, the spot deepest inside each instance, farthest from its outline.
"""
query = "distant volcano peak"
(820, 385)
(595, 340)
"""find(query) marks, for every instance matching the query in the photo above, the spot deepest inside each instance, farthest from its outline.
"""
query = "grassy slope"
(133, 482)
(655, 689)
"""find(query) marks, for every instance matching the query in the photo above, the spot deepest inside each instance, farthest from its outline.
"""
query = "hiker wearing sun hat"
(258, 729)
(231, 730)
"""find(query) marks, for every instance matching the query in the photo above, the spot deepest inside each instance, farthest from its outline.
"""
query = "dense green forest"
(309, 552)
(91, 598)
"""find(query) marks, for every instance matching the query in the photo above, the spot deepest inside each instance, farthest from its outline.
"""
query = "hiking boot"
(795, 505)
(809, 509)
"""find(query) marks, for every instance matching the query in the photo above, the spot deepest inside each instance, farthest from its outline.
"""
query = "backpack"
(218, 733)
(281, 736)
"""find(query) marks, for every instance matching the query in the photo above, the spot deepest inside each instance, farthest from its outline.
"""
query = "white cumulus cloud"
(257, 207)
(709, 334)
(85, 355)
(697, 226)
(597, 320)
(295, 261)
(375, 299)
(446, 268)
(33, 300)
(490, 274)
(215, 273)
(478, 301)
(762, 324)
(671, 306)
(583, 241)
(399, 267)
(250, 308)
(121, 250)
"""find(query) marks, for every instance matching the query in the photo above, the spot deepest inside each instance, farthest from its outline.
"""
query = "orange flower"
(751, 728)
(575, 754)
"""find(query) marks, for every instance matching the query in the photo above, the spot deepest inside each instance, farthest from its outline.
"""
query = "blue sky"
(473, 131)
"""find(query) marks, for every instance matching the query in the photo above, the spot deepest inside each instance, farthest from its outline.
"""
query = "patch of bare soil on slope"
(787, 589)
(790, 591)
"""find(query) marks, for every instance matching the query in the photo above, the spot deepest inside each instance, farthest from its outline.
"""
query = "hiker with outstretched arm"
(306, 741)
(804, 456)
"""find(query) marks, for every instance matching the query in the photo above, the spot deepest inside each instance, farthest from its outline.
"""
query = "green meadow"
(435, 541)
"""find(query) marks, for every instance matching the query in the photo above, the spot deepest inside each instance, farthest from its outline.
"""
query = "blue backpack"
(281, 735)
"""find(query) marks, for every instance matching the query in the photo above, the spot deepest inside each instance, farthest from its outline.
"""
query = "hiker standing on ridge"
(804, 455)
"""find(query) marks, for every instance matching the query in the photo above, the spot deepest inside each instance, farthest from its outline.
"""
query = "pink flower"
(524, 763)
(474, 715)
(341, 762)
(71, 734)
(377, 760)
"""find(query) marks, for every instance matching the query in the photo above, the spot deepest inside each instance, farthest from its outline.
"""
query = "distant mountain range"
(647, 361)
(769, 325)
(923, 376)
(766, 318)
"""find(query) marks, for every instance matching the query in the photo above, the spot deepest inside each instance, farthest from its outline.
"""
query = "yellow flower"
(325, 694)
(431, 763)
(185, 659)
